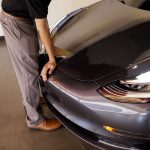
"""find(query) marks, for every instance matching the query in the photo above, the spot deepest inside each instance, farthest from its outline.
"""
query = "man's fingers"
(44, 74)
(50, 67)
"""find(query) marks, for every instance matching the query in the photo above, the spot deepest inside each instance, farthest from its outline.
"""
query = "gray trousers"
(22, 42)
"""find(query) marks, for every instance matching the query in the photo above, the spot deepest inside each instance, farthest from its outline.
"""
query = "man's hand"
(48, 68)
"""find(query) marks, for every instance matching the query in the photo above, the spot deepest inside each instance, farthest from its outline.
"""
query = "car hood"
(116, 54)
(103, 39)
(85, 26)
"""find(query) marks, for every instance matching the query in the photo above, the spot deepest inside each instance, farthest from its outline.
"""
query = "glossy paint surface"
(110, 55)
(103, 55)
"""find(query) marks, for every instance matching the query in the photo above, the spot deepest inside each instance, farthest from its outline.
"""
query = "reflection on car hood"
(97, 22)
(111, 55)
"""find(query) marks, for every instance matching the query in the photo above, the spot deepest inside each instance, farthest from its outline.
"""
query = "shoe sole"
(42, 129)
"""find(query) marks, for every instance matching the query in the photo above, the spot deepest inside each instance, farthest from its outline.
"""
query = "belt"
(16, 18)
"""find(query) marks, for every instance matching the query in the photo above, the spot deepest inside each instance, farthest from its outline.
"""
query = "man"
(21, 19)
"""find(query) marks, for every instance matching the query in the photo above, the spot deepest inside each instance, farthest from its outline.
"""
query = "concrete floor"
(14, 134)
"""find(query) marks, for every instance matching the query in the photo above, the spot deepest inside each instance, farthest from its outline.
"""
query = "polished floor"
(14, 134)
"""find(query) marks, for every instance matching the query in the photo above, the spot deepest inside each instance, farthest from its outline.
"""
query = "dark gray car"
(100, 91)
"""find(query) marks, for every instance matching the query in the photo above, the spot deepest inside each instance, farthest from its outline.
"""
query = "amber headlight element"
(125, 133)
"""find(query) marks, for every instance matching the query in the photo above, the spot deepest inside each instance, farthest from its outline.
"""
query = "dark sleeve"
(38, 8)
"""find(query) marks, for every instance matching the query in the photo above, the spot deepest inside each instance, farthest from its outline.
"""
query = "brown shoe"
(47, 125)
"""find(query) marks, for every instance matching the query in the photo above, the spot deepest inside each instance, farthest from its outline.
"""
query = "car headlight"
(127, 90)
(143, 78)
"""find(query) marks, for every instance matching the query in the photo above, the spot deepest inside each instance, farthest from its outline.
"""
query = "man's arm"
(43, 29)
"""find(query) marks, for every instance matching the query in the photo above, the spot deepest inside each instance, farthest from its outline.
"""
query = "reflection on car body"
(97, 92)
